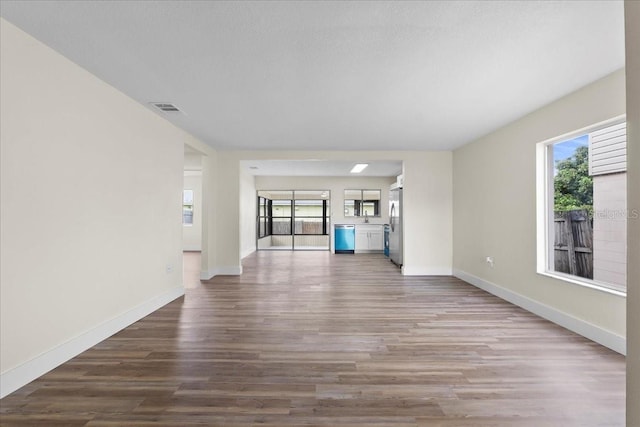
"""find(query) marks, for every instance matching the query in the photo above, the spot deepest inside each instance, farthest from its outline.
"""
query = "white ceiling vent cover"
(166, 107)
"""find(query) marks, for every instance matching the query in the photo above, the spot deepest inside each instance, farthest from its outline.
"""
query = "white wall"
(226, 212)
(247, 213)
(192, 159)
(91, 219)
(495, 214)
(192, 234)
(428, 214)
(632, 20)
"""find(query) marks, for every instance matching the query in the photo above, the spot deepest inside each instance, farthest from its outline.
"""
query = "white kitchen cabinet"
(362, 241)
(369, 238)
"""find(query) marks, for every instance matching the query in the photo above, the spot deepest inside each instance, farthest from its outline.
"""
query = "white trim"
(221, 271)
(542, 208)
(426, 271)
(206, 275)
(587, 283)
(588, 330)
(233, 270)
(23, 374)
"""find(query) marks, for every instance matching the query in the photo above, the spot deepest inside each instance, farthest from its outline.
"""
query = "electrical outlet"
(169, 268)
(490, 261)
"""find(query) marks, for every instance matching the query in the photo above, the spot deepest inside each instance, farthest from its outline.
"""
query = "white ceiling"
(330, 75)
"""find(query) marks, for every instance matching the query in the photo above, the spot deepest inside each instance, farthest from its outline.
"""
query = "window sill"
(592, 284)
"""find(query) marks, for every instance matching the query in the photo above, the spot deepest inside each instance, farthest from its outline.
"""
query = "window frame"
(264, 217)
(290, 217)
(544, 208)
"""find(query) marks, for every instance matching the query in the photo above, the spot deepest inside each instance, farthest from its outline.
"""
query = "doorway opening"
(192, 217)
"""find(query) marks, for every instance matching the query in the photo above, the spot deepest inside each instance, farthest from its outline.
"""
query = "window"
(281, 217)
(362, 202)
(264, 217)
(582, 212)
(311, 217)
(187, 207)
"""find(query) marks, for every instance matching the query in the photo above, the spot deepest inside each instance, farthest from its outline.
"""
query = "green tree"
(573, 187)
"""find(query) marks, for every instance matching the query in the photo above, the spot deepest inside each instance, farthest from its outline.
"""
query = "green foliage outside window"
(573, 187)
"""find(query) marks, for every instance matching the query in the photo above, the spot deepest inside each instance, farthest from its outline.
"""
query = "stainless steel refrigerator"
(395, 225)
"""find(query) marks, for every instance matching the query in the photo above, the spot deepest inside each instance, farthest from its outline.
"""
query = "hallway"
(191, 269)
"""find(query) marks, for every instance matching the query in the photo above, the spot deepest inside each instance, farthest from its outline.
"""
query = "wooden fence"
(301, 226)
(573, 243)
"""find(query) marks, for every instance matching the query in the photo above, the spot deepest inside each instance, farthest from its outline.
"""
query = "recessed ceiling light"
(359, 167)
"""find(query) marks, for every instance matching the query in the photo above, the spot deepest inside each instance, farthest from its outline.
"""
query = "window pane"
(187, 207)
(572, 206)
(371, 202)
(371, 194)
(353, 194)
(187, 215)
(349, 207)
(281, 208)
(309, 226)
(370, 207)
(281, 226)
(262, 208)
(306, 208)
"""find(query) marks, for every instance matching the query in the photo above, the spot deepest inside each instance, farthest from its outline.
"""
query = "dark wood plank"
(314, 339)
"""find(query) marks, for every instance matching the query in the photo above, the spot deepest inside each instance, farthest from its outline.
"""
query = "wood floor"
(314, 339)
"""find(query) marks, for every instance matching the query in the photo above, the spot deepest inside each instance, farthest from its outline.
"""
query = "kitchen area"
(366, 237)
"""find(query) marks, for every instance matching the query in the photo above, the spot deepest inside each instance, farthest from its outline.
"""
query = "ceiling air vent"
(166, 107)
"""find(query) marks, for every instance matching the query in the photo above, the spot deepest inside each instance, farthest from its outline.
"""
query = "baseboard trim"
(21, 375)
(426, 271)
(588, 330)
(221, 271)
(235, 270)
